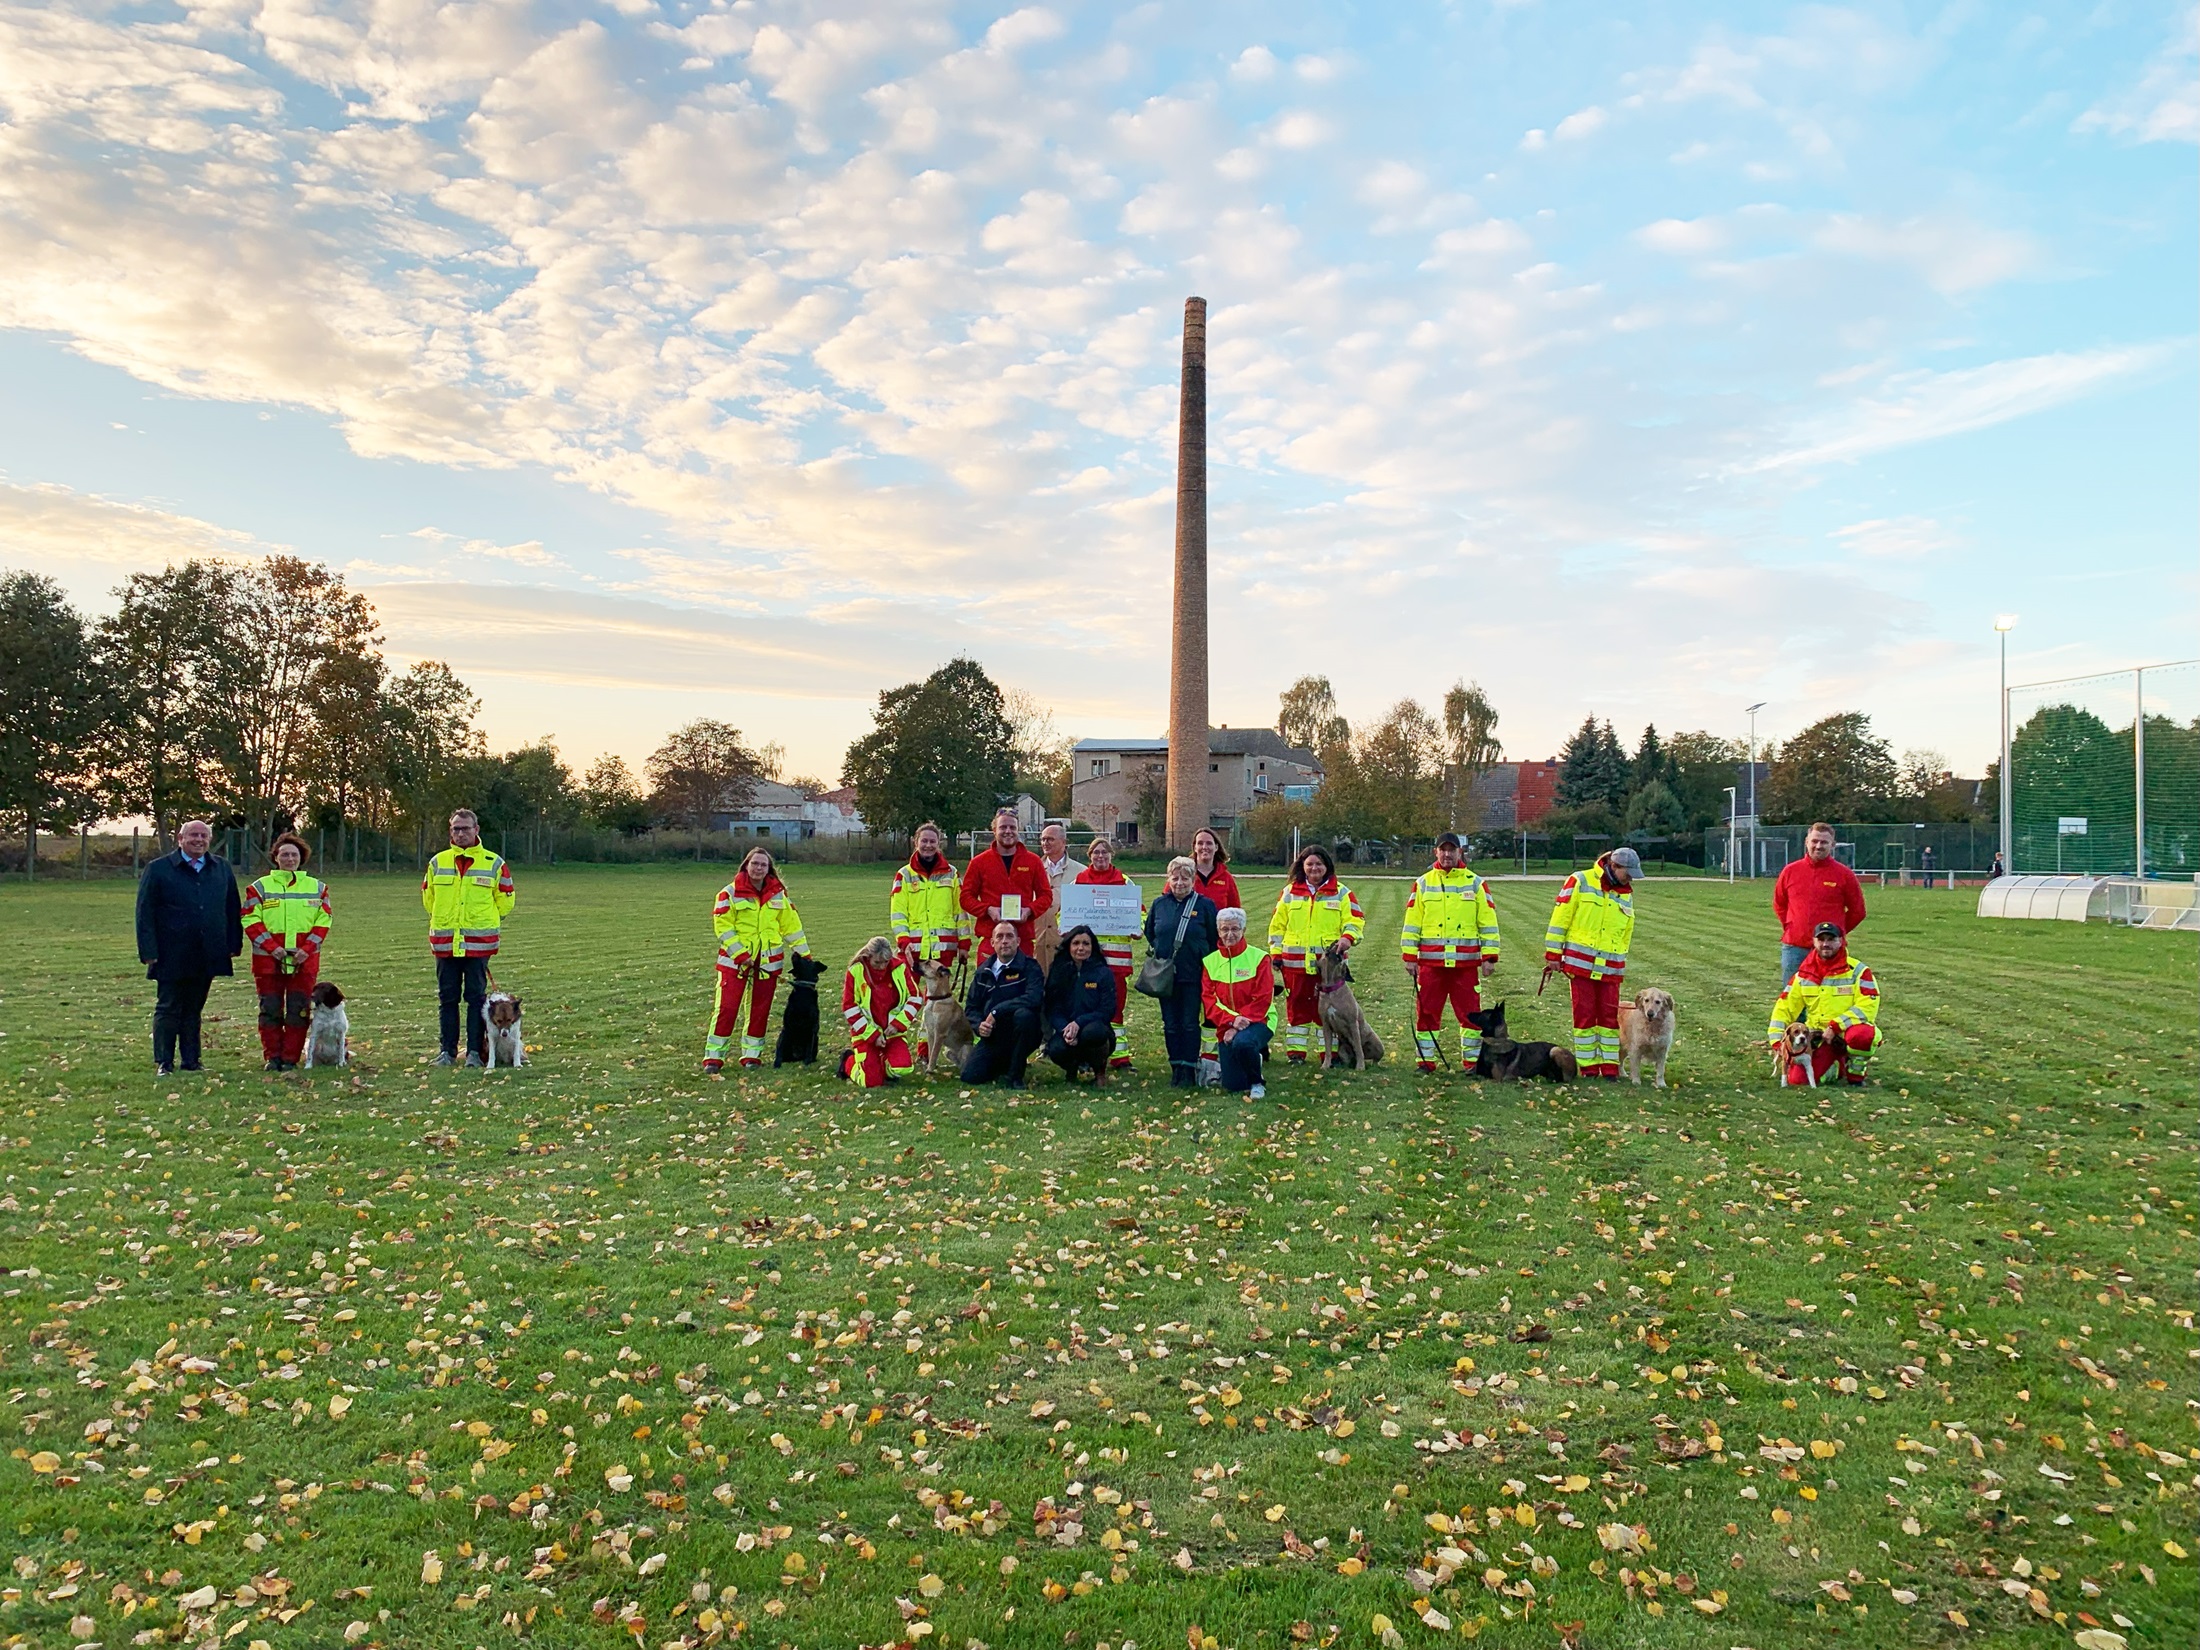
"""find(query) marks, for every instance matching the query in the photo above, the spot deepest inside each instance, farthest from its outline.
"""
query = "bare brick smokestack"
(1188, 652)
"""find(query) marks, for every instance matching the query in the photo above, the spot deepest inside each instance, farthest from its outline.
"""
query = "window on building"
(1099, 767)
(1260, 782)
(1214, 767)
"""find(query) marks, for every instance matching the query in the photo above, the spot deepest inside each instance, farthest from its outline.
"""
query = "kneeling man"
(1837, 998)
(1005, 993)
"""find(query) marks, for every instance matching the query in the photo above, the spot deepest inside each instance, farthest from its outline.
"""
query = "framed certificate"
(1012, 908)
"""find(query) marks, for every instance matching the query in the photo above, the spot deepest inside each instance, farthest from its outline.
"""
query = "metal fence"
(1895, 850)
(2099, 765)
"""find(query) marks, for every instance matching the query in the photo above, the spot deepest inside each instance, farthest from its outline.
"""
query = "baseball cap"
(1627, 860)
(1826, 929)
(1448, 840)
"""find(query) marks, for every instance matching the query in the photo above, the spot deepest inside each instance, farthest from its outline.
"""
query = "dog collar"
(1334, 985)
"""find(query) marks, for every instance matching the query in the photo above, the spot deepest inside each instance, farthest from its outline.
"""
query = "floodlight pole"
(2002, 626)
(2139, 770)
(1753, 710)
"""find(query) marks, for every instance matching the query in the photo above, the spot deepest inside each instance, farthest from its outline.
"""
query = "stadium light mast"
(2002, 626)
(1752, 711)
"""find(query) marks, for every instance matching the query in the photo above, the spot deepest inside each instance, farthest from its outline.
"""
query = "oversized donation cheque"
(1108, 909)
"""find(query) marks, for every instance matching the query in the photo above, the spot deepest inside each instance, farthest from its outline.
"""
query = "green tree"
(51, 707)
(1398, 777)
(344, 741)
(1701, 766)
(700, 770)
(544, 784)
(1471, 745)
(612, 798)
(938, 749)
(1038, 754)
(1593, 768)
(1835, 769)
(1306, 715)
(161, 654)
(1657, 810)
(430, 743)
(1151, 803)
(1650, 761)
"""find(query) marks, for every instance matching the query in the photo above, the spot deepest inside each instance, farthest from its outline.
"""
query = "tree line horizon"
(192, 700)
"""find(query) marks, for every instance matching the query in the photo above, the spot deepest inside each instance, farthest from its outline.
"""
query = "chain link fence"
(2099, 765)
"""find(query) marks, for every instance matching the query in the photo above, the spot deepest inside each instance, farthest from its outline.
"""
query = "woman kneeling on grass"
(1237, 995)
(1080, 1006)
(881, 1005)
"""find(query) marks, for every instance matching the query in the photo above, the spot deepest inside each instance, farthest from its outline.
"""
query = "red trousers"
(1596, 1024)
(1824, 1056)
(732, 985)
(1452, 984)
(285, 1006)
(875, 1056)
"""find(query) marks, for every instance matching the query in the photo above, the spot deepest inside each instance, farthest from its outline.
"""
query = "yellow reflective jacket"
(1592, 925)
(1450, 919)
(1306, 921)
(285, 910)
(468, 894)
(925, 908)
(1840, 994)
(757, 927)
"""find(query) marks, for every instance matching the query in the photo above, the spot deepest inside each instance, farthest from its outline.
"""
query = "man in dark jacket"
(1005, 992)
(189, 926)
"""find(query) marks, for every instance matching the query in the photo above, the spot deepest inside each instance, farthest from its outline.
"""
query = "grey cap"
(1626, 860)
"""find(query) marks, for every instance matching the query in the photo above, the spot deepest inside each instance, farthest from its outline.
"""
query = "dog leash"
(1548, 970)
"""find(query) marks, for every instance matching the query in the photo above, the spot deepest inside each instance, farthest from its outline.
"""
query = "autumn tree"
(612, 798)
(161, 652)
(1835, 769)
(1471, 745)
(938, 749)
(1306, 715)
(699, 770)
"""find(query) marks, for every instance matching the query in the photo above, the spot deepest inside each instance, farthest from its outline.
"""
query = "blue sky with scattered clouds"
(649, 360)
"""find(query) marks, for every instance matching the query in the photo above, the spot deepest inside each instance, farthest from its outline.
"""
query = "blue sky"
(650, 360)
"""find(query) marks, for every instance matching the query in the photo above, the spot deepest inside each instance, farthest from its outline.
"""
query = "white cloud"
(1894, 537)
(1684, 237)
(1953, 254)
(1031, 26)
(1301, 129)
(44, 524)
(1925, 406)
(2163, 106)
(1580, 124)
(1254, 65)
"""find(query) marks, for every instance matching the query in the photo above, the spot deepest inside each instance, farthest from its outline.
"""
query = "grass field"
(602, 1353)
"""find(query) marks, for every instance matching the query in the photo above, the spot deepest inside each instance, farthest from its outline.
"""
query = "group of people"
(1031, 987)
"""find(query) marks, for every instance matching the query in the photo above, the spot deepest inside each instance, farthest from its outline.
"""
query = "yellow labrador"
(1646, 1031)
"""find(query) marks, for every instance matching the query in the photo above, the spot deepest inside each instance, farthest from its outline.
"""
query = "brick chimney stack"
(1188, 801)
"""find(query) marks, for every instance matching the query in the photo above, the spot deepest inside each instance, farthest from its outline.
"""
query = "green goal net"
(2099, 765)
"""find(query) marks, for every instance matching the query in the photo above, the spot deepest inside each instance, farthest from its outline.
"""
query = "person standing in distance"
(1814, 889)
(189, 926)
(286, 918)
(1592, 925)
(1061, 871)
(1450, 936)
(467, 891)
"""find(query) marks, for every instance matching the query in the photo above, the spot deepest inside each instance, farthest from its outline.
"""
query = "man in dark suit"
(1005, 992)
(189, 926)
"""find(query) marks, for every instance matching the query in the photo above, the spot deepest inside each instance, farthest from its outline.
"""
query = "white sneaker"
(1259, 1091)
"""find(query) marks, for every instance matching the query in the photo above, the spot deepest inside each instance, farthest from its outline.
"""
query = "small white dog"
(328, 1033)
(507, 1040)
(1646, 1029)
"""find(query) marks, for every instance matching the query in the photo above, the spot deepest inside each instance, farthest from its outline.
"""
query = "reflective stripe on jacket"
(925, 908)
(870, 1004)
(466, 906)
(1842, 993)
(756, 928)
(1592, 925)
(285, 909)
(1450, 919)
(1306, 921)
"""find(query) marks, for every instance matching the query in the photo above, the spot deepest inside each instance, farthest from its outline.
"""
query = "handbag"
(1157, 974)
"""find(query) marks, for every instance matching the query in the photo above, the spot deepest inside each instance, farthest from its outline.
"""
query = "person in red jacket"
(1211, 871)
(1814, 889)
(1007, 871)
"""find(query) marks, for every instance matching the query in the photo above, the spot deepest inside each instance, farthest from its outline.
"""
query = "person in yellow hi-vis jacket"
(757, 926)
(467, 891)
(1592, 925)
(1315, 912)
(1837, 998)
(1450, 936)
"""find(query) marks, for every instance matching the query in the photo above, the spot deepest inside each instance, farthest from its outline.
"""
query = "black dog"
(798, 1020)
(1509, 1062)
